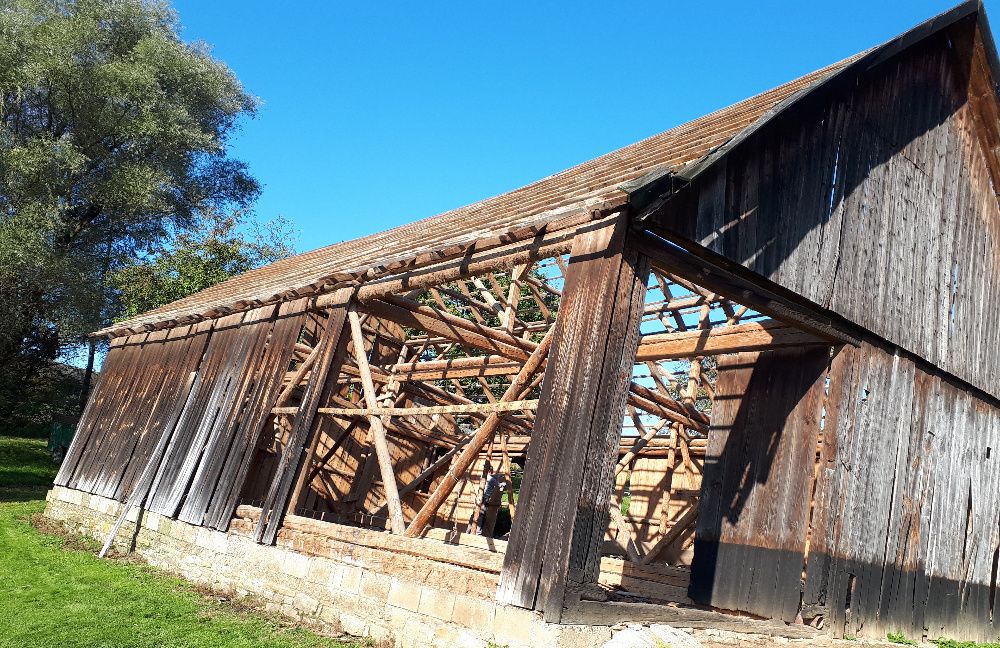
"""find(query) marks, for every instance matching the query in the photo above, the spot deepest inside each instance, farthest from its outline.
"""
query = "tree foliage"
(197, 259)
(113, 136)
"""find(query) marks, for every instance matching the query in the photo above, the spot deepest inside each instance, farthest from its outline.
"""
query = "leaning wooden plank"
(479, 440)
(376, 427)
(296, 378)
(680, 526)
(426, 473)
(280, 490)
(143, 488)
(624, 534)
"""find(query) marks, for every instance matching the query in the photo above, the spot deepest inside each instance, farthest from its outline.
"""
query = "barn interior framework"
(746, 366)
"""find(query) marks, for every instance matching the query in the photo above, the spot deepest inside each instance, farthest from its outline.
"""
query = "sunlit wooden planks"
(751, 531)
(740, 338)
(563, 510)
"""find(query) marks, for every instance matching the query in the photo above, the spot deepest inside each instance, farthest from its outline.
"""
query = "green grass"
(951, 643)
(900, 638)
(25, 462)
(54, 592)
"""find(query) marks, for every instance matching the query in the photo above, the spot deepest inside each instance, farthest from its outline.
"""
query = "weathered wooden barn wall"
(751, 535)
(874, 199)
(565, 495)
(906, 525)
(206, 388)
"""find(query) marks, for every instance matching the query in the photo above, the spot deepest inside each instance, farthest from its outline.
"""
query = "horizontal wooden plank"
(491, 365)
(425, 410)
(752, 336)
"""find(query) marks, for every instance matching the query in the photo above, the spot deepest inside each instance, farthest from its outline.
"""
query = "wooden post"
(396, 521)
(566, 491)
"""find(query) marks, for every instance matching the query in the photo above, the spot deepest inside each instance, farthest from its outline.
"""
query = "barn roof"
(591, 185)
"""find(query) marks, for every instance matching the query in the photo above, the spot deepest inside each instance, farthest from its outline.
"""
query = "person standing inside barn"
(489, 505)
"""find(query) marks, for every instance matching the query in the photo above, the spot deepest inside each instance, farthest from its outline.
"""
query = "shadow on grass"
(22, 493)
(26, 469)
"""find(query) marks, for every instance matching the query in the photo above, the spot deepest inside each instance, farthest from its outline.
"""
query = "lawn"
(54, 592)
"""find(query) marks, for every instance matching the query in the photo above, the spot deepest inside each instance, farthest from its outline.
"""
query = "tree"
(199, 258)
(113, 136)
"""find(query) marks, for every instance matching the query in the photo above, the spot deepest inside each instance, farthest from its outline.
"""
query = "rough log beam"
(376, 427)
(515, 390)
(434, 266)
(468, 334)
(472, 335)
(429, 471)
(675, 260)
(752, 336)
(491, 365)
(419, 410)
(676, 531)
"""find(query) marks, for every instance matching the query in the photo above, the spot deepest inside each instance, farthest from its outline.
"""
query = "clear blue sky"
(377, 114)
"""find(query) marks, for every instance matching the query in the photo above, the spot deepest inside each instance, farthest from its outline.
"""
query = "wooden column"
(377, 427)
(563, 508)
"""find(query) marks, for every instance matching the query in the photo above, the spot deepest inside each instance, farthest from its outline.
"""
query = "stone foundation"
(369, 592)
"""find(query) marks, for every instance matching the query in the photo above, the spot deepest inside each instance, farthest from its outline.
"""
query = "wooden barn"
(741, 372)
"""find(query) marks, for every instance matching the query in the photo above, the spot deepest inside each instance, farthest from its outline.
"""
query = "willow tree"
(113, 135)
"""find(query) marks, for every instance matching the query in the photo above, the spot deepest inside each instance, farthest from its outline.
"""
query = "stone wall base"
(352, 592)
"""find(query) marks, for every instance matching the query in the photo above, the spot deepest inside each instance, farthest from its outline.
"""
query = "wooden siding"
(906, 525)
(566, 491)
(207, 387)
(751, 534)
(875, 200)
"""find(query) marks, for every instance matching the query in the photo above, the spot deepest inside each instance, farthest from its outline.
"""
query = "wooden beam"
(666, 407)
(685, 522)
(474, 262)
(672, 258)
(752, 336)
(300, 373)
(462, 331)
(426, 473)
(396, 521)
(421, 410)
(491, 365)
(479, 440)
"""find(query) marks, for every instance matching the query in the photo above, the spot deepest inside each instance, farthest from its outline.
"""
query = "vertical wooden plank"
(563, 506)
(273, 510)
(750, 538)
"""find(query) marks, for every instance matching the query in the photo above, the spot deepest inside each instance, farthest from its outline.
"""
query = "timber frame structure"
(773, 331)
